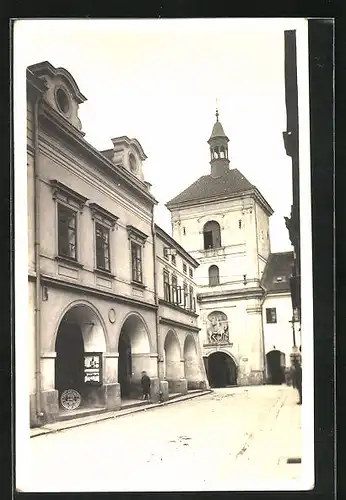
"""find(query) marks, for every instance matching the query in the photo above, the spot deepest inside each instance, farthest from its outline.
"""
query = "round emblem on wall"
(70, 399)
(111, 315)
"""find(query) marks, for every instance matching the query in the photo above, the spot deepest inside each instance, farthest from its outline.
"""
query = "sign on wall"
(93, 368)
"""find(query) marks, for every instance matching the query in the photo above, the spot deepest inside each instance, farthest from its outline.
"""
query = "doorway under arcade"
(80, 345)
(134, 357)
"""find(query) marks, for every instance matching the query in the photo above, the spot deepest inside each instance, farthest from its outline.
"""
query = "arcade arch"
(172, 357)
(191, 362)
(80, 336)
(134, 354)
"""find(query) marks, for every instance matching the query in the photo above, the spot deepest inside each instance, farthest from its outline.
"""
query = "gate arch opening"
(221, 370)
(275, 365)
(134, 355)
(80, 331)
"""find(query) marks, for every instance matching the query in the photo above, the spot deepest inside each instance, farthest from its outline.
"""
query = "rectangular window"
(136, 256)
(191, 301)
(190, 272)
(165, 252)
(174, 290)
(67, 235)
(174, 262)
(102, 247)
(186, 294)
(184, 268)
(166, 287)
(271, 315)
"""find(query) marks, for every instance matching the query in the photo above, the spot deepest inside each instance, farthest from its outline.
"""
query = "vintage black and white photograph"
(164, 335)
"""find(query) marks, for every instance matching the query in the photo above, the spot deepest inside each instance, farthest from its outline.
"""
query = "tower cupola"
(218, 143)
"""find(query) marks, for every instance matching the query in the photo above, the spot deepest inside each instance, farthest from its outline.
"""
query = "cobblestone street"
(212, 442)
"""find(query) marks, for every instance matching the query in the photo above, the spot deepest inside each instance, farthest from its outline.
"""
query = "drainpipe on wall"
(153, 232)
(39, 413)
(263, 342)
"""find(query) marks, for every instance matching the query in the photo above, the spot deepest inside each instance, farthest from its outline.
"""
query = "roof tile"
(276, 275)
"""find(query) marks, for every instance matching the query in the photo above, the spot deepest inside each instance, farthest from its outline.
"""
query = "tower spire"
(218, 143)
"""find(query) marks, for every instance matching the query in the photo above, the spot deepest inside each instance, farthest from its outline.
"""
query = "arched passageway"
(221, 370)
(79, 345)
(275, 366)
(134, 355)
(172, 357)
(192, 369)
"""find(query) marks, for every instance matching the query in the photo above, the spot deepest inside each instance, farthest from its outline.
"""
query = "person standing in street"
(297, 376)
(145, 381)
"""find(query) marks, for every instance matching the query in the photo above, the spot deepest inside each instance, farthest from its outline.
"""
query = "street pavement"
(231, 439)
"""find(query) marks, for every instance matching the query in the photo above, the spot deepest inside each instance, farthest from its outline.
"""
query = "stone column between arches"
(177, 382)
(110, 381)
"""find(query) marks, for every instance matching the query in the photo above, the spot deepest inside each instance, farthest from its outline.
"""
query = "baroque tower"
(222, 220)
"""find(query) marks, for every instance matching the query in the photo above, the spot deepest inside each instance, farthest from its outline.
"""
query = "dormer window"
(63, 101)
(133, 163)
(280, 279)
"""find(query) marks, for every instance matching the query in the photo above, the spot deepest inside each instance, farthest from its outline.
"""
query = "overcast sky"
(158, 81)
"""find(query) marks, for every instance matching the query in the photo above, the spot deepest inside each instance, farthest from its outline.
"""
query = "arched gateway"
(221, 369)
(79, 345)
(276, 367)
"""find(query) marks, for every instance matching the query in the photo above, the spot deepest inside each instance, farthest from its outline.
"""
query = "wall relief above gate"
(217, 328)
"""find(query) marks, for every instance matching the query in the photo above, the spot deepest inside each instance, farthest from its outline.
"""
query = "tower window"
(214, 276)
(239, 223)
(212, 235)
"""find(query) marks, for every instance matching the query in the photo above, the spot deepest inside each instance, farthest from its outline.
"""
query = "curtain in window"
(66, 232)
(136, 253)
(102, 247)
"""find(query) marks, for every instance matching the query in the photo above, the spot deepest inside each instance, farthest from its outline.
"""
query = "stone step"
(79, 413)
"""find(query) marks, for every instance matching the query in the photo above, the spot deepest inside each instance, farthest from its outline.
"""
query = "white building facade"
(92, 280)
(281, 330)
(180, 356)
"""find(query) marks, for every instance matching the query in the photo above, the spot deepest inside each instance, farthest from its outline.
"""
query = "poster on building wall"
(93, 368)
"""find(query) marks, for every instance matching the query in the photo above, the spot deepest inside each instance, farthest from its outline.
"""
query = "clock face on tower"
(133, 163)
